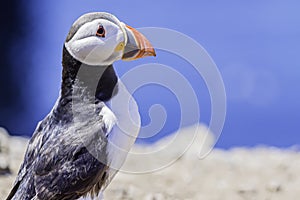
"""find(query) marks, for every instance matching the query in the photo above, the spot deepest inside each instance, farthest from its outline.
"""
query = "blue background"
(255, 45)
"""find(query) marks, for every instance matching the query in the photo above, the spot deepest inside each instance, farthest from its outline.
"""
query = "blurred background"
(255, 45)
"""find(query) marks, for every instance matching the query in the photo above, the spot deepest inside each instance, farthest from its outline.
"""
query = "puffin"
(77, 149)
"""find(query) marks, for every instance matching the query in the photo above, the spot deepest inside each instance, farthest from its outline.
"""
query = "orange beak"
(138, 46)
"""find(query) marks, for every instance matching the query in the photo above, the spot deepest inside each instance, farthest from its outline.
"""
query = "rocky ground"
(160, 171)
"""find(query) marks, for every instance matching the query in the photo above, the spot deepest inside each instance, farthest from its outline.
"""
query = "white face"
(99, 42)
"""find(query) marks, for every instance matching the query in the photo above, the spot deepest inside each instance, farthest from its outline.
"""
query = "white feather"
(124, 133)
(108, 118)
(90, 49)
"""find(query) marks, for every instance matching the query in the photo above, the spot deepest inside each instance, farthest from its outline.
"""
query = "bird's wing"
(61, 167)
(71, 179)
(72, 163)
(32, 150)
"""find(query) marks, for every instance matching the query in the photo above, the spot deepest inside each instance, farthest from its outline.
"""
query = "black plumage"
(60, 165)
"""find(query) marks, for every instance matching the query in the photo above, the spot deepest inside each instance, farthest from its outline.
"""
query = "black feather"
(66, 158)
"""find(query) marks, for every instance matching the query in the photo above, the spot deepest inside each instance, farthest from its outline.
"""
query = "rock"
(5, 171)
(4, 152)
(157, 196)
(274, 186)
(236, 174)
(247, 190)
(4, 141)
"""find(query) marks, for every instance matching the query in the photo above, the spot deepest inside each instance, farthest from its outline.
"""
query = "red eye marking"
(101, 31)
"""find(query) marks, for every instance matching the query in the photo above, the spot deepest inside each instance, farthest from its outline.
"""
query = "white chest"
(124, 123)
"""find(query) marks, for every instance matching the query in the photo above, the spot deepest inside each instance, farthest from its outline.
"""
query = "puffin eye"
(101, 31)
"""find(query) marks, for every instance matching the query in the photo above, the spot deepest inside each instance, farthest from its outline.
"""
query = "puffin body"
(77, 149)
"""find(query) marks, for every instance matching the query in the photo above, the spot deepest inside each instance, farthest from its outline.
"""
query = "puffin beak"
(138, 46)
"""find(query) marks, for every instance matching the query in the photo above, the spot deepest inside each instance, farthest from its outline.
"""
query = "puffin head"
(99, 39)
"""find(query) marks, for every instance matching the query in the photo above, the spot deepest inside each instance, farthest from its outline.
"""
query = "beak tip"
(154, 53)
(151, 52)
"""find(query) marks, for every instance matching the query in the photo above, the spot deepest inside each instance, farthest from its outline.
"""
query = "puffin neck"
(84, 83)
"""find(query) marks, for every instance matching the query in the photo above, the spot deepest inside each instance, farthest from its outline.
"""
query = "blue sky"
(255, 45)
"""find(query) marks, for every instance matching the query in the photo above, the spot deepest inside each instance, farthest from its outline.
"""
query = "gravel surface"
(261, 173)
